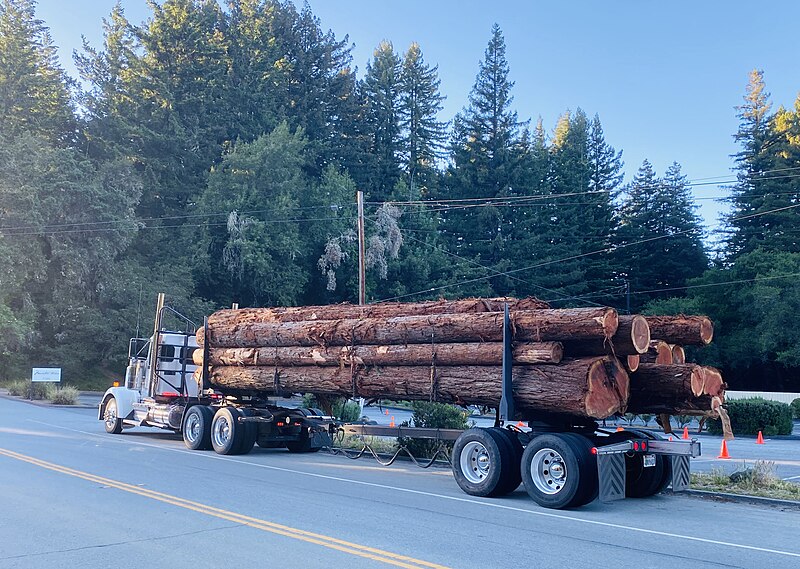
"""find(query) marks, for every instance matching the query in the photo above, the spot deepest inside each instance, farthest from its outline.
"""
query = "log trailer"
(563, 461)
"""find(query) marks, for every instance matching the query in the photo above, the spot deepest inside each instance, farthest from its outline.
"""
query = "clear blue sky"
(664, 77)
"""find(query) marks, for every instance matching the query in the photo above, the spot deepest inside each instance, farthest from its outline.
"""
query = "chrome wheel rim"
(548, 471)
(221, 433)
(475, 462)
(110, 415)
(192, 428)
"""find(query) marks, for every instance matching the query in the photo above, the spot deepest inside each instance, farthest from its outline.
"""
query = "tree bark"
(588, 387)
(529, 325)
(676, 389)
(684, 330)
(346, 311)
(485, 354)
(632, 337)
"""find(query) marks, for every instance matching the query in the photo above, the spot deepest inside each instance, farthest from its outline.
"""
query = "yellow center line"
(264, 525)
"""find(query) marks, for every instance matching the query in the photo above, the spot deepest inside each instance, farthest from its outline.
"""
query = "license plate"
(649, 460)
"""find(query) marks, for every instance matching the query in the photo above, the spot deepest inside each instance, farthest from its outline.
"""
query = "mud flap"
(611, 476)
(680, 473)
(319, 439)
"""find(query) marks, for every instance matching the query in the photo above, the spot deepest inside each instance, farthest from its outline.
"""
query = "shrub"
(28, 390)
(646, 418)
(748, 416)
(796, 408)
(345, 410)
(18, 388)
(66, 395)
(435, 416)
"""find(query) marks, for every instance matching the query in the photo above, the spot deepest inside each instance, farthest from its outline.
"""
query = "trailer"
(563, 461)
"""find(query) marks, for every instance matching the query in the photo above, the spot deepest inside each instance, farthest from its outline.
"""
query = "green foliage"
(28, 390)
(61, 395)
(795, 405)
(437, 416)
(748, 416)
(346, 410)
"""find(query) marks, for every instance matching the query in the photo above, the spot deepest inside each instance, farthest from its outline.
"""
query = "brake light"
(594, 450)
(280, 423)
(169, 394)
(635, 445)
(644, 445)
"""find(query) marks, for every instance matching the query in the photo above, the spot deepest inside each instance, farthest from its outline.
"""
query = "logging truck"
(564, 460)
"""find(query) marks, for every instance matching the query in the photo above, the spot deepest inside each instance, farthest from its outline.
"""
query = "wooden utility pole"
(362, 277)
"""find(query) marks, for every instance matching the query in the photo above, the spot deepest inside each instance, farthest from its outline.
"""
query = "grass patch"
(757, 479)
(66, 395)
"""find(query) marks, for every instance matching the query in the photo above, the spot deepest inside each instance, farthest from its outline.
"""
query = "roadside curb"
(743, 498)
(40, 403)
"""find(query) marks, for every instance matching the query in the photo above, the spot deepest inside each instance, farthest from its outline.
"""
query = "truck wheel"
(111, 420)
(197, 427)
(227, 431)
(640, 482)
(480, 458)
(556, 472)
(302, 444)
(589, 481)
(512, 476)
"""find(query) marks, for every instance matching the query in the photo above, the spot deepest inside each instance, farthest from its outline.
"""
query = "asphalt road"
(73, 496)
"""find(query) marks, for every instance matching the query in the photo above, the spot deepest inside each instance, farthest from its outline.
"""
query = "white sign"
(46, 374)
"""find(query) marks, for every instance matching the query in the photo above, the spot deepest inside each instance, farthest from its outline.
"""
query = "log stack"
(566, 361)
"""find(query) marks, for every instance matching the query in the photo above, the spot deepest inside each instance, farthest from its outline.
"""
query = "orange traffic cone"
(723, 451)
(760, 439)
(685, 433)
(391, 424)
(385, 411)
(620, 429)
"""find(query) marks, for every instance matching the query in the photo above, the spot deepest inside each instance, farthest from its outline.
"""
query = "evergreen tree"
(423, 136)
(34, 90)
(381, 92)
(660, 234)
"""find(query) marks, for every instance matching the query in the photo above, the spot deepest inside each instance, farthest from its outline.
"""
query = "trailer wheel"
(641, 482)
(556, 472)
(197, 427)
(511, 476)
(227, 431)
(249, 433)
(589, 480)
(112, 422)
(302, 444)
(480, 460)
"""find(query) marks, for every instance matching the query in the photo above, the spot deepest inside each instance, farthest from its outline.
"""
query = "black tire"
(479, 459)
(302, 444)
(227, 431)
(111, 420)
(511, 474)
(556, 472)
(249, 433)
(589, 481)
(196, 427)
(666, 477)
(641, 482)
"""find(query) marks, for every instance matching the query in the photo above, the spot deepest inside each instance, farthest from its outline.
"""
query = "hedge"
(748, 416)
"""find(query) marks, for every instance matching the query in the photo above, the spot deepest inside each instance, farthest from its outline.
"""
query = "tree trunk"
(486, 354)
(529, 325)
(659, 353)
(684, 330)
(346, 311)
(589, 387)
(632, 337)
(676, 389)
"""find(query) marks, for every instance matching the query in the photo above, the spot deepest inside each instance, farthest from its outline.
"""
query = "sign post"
(44, 374)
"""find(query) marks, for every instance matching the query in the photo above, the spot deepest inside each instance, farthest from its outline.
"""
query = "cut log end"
(698, 381)
(608, 388)
(678, 355)
(610, 323)
(632, 363)
(706, 330)
(640, 334)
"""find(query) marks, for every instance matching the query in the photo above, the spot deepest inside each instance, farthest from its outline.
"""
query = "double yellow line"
(264, 525)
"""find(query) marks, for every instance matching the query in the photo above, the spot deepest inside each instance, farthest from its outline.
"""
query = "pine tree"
(485, 156)
(34, 90)
(660, 235)
(423, 136)
(381, 92)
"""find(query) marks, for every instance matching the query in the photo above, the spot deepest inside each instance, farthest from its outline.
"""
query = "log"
(393, 355)
(676, 389)
(347, 311)
(632, 337)
(659, 353)
(678, 354)
(586, 387)
(529, 325)
(632, 362)
(681, 329)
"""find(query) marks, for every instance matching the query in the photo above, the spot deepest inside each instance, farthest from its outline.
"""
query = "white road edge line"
(440, 496)
(792, 478)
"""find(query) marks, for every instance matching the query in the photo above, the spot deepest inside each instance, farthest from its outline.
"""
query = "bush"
(345, 410)
(796, 408)
(435, 416)
(18, 388)
(28, 390)
(748, 416)
(66, 395)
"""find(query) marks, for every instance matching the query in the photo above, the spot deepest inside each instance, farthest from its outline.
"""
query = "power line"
(706, 285)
